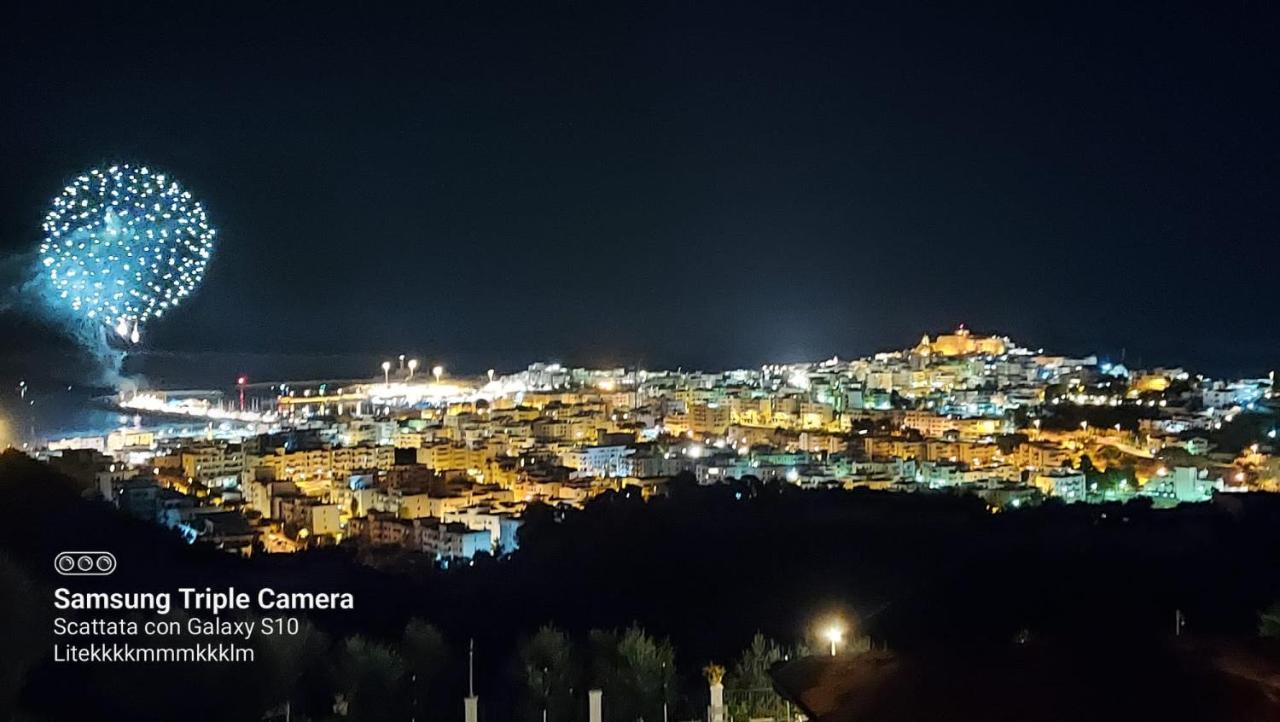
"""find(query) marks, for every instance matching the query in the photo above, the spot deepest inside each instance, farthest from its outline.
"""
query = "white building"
(597, 462)
(1184, 484)
(1065, 483)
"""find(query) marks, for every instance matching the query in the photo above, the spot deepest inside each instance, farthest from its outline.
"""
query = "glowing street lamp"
(437, 371)
(386, 372)
(413, 366)
(833, 633)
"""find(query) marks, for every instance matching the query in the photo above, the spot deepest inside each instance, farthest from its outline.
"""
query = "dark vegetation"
(638, 594)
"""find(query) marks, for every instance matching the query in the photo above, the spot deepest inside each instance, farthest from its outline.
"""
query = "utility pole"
(664, 692)
(471, 705)
(546, 693)
(417, 703)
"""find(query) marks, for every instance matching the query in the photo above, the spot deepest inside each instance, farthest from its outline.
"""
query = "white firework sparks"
(124, 245)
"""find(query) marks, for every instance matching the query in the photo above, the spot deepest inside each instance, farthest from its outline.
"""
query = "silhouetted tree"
(290, 669)
(426, 656)
(1269, 621)
(635, 671)
(370, 676)
(21, 622)
(748, 686)
(549, 676)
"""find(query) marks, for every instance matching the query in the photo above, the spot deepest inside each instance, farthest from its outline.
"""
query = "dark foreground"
(642, 596)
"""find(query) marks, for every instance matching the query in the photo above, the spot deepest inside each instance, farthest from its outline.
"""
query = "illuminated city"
(407, 456)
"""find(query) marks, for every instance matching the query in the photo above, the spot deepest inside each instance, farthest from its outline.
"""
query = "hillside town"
(445, 467)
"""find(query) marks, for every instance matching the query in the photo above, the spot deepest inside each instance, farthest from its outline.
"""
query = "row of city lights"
(412, 365)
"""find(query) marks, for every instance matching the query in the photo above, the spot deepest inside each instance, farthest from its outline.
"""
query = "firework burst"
(124, 245)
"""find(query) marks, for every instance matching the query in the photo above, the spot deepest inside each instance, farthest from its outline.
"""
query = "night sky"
(488, 184)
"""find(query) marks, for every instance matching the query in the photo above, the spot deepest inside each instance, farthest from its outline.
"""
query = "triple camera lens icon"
(85, 564)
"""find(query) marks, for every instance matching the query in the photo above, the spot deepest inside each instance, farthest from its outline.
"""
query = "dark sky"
(715, 184)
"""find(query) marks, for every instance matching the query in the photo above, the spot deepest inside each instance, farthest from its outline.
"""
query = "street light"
(386, 372)
(833, 633)
(437, 371)
(413, 366)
